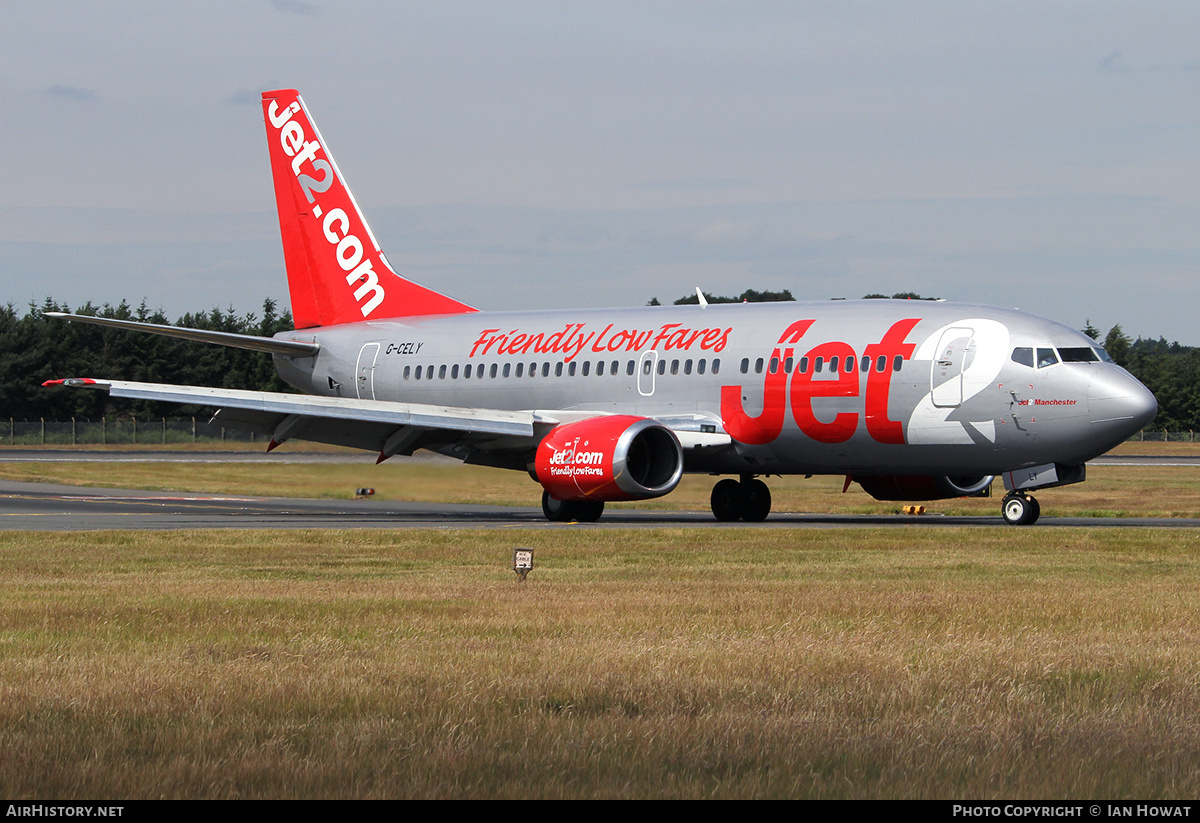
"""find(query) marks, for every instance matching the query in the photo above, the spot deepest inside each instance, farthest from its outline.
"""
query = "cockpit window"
(1079, 354)
(1046, 357)
(1104, 355)
(1023, 355)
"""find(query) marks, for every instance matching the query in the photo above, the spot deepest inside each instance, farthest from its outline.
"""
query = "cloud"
(1114, 63)
(71, 93)
(243, 97)
(294, 6)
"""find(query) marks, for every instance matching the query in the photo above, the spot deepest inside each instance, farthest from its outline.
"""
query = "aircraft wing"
(387, 427)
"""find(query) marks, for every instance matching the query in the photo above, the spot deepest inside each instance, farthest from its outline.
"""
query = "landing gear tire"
(564, 511)
(758, 501)
(1020, 510)
(588, 511)
(727, 500)
(748, 500)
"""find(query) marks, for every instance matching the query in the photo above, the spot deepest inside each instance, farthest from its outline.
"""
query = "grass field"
(966, 663)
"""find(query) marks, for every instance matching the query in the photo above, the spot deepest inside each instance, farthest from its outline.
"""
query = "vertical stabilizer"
(336, 271)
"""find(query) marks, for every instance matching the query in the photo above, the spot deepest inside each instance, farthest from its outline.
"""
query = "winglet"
(336, 271)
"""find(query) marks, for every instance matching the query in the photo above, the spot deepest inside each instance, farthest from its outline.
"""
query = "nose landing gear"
(1020, 509)
(748, 499)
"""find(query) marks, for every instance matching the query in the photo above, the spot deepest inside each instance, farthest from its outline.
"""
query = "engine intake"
(621, 457)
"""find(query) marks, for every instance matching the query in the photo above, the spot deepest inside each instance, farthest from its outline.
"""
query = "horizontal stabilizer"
(271, 345)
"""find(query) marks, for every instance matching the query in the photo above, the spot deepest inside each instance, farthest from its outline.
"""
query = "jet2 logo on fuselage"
(808, 385)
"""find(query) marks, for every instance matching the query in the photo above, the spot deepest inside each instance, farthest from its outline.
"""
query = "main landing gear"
(564, 511)
(748, 499)
(1020, 509)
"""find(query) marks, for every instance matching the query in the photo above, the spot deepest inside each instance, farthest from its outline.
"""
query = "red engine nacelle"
(609, 458)
(918, 487)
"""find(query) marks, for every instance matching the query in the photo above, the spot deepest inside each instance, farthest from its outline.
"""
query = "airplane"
(911, 400)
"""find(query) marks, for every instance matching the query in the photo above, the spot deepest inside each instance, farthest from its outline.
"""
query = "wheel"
(727, 500)
(1020, 509)
(1037, 510)
(557, 511)
(588, 511)
(758, 501)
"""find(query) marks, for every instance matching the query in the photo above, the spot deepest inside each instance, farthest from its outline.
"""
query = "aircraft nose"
(1119, 402)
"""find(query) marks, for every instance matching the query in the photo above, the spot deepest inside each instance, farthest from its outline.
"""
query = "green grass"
(982, 663)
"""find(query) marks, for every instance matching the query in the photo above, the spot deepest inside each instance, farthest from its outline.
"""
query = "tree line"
(36, 348)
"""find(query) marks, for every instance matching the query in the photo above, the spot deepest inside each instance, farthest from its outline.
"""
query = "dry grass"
(976, 663)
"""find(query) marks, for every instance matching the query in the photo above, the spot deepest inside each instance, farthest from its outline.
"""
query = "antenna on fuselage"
(700, 294)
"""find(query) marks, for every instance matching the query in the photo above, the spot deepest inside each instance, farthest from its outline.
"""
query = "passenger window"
(818, 365)
(647, 366)
(897, 362)
(774, 367)
(758, 366)
(629, 369)
(454, 372)
(662, 366)
(674, 367)
(419, 372)
(804, 365)
(687, 366)
(442, 372)
(833, 364)
(507, 366)
(1023, 355)
(865, 363)
(789, 364)
(407, 371)
(571, 369)
(546, 369)
(700, 366)
(881, 363)
(557, 369)
(716, 365)
(520, 369)
(492, 371)
(587, 367)
(600, 368)
(1046, 357)
(745, 365)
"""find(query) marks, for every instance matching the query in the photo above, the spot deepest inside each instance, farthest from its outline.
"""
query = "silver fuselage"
(931, 387)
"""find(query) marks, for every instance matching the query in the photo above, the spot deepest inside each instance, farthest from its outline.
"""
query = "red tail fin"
(336, 271)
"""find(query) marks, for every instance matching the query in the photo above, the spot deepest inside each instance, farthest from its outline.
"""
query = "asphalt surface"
(46, 507)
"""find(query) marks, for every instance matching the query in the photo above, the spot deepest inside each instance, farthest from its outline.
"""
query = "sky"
(531, 154)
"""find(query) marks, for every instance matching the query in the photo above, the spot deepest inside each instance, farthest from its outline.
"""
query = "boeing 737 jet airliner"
(911, 400)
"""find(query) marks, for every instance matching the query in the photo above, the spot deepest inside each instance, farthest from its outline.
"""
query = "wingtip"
(70, 381)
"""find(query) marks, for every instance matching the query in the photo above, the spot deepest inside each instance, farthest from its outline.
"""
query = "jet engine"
(621, 457)
(919, 487)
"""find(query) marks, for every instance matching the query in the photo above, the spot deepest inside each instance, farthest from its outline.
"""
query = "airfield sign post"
(522, 563)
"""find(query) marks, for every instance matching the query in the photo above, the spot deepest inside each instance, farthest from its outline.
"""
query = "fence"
(1164, 437)
(163, 431)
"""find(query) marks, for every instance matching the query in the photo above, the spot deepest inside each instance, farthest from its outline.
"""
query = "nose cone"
(1118, 404)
